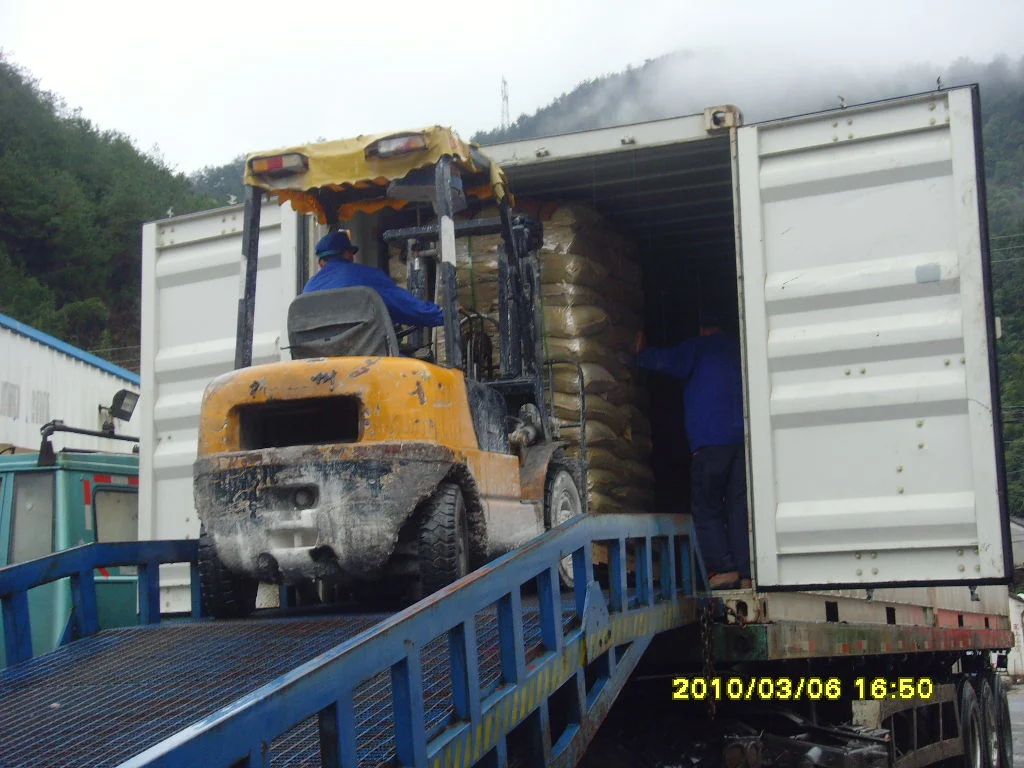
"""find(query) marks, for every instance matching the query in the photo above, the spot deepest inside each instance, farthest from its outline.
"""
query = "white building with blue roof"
(43, 378)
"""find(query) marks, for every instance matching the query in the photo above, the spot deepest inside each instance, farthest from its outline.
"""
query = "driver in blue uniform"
(337, 270)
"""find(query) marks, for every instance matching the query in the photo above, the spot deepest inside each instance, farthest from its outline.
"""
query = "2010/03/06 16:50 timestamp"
(727, 688)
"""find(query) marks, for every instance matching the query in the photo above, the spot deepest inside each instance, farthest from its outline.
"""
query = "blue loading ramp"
(482, 673)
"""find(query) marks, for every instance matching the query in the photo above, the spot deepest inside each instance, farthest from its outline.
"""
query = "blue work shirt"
(712, 386)
(402, 306)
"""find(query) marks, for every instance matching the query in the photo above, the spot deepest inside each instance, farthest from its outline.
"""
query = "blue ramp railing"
(550, 695)
(79, 564)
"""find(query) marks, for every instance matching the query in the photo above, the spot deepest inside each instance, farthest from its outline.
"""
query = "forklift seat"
(342, 322)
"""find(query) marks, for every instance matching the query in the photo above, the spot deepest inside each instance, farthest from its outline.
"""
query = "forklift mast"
(519, 316)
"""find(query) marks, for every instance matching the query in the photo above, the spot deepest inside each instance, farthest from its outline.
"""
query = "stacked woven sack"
(592, 309)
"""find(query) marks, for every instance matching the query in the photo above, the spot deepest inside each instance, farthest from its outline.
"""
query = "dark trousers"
(719, 498)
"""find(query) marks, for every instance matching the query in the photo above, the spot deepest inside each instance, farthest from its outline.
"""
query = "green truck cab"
(82, 498)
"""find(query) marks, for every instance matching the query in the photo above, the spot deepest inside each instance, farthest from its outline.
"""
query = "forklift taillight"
(394, 146)
(279, 165)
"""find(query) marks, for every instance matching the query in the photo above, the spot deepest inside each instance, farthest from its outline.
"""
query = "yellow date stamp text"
(788, 688)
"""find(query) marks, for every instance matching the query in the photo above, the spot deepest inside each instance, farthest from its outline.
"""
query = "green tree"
(221, 182)
(73, 199)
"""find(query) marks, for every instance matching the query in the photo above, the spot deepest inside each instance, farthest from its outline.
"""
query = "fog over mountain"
(763, 85)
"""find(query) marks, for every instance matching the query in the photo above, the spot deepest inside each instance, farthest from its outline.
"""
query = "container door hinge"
(722, 118)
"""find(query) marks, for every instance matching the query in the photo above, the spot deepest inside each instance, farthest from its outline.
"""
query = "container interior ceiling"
(676, 203)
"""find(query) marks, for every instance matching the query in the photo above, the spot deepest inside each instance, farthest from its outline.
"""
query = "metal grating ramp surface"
(103, 699)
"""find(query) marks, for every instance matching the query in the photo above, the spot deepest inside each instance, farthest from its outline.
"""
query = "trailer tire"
(443, 555)
(562, 502)
(971, 728)
(225, 594)
(1004, 727)
(989, 723)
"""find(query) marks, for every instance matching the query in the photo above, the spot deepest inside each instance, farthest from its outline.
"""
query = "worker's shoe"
(728, 580)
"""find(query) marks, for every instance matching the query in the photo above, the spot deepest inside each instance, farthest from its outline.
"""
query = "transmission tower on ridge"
(505, 121)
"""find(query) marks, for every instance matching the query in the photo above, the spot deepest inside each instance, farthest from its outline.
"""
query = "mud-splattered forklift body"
(381, 461)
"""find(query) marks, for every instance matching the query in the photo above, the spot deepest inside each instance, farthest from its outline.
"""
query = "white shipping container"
(192, 271)
(43, 378)
(853, 246)
(866, 315)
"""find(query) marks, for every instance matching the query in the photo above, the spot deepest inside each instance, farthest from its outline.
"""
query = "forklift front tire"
(226, 595)
(443, 555)
(562, 502)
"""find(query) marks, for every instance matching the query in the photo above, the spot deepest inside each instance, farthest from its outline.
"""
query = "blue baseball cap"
(335, 244)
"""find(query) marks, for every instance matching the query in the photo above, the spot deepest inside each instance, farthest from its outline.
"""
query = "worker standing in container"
(709, 366)
(335, 253)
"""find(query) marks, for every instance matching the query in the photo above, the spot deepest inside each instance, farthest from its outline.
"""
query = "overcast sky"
(207, 81)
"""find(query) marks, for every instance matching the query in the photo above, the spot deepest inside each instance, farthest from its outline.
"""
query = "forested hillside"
(73, 198)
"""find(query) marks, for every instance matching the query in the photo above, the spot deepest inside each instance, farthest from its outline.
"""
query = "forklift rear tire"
(562, 502)
(226, 595)
(443, 555)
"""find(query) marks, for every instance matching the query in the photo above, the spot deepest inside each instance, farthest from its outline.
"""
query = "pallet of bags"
(593, 308)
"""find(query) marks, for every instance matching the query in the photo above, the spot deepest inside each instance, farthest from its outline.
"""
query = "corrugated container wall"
(43, 378)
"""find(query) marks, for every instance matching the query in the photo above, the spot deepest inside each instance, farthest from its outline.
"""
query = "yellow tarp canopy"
(343, 166)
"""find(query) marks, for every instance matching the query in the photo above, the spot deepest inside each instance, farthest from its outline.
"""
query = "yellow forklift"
(382, 461)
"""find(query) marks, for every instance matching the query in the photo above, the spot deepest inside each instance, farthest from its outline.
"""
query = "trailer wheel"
(1004, 728)
(443, 555)
(989, 724)
(971, 731)
(225, 594)
(562, 502)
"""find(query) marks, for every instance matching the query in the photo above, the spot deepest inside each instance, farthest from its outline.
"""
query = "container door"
(873, 405)
(192, 270)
